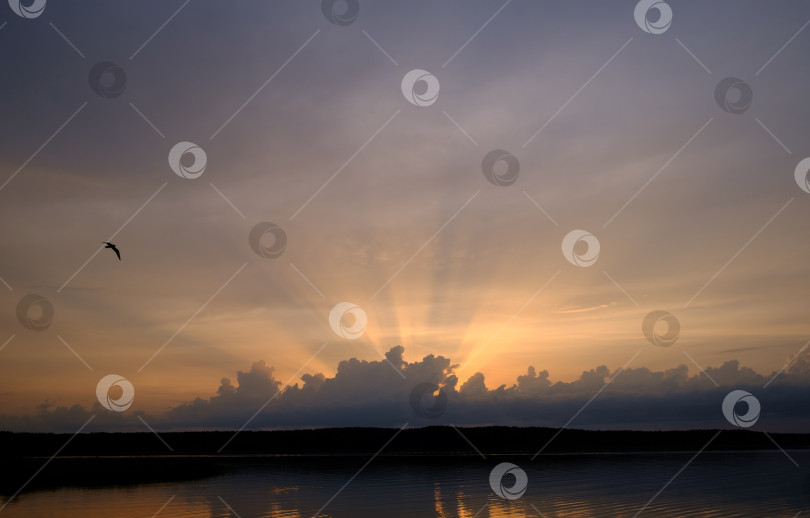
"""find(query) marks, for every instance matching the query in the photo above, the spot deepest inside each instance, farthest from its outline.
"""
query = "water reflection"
(715, 484)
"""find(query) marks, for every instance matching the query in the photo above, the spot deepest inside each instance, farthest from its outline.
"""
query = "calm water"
(715, 484)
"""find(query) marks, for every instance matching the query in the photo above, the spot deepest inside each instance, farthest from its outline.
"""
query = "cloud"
(377, 393)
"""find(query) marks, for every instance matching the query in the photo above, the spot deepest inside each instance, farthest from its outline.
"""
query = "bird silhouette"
(110, 245)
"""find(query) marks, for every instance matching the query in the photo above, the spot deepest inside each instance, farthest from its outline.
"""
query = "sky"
(561, 171)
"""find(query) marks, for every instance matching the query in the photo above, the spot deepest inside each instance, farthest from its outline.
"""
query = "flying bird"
(110, 245)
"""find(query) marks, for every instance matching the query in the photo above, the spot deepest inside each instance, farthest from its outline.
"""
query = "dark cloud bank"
(373, 394)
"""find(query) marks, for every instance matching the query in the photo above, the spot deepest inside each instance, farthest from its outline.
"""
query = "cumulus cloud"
(377, 393)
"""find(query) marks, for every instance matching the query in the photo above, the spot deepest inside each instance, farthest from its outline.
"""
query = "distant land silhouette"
(95, 459)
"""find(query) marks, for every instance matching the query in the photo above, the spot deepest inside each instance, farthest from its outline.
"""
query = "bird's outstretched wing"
(114, 249)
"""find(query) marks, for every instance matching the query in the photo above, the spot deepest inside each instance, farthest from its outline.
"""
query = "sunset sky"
(384, 203)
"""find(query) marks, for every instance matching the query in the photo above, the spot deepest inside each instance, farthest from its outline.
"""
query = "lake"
(715, 484)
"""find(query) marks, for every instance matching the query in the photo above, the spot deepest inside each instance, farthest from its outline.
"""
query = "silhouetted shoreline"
(130, 458)
(434, 440)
